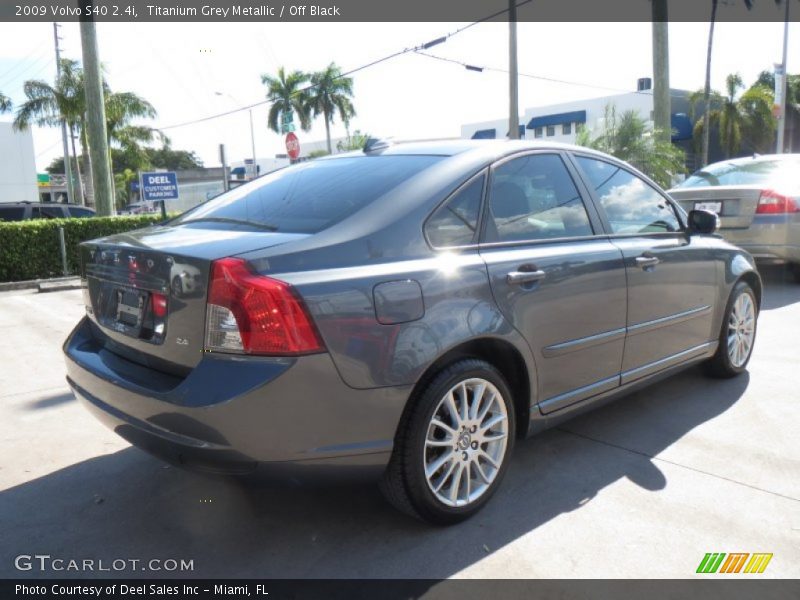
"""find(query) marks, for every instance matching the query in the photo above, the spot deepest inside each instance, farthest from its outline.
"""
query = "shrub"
(30, 249)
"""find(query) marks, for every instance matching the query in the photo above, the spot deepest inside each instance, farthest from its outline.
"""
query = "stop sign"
(292, 146)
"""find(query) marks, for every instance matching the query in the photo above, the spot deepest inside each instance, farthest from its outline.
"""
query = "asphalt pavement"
(642, 488)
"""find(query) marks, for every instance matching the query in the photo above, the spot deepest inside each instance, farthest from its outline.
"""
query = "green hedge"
(30, 249)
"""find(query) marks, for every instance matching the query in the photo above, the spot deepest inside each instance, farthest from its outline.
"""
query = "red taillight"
(255, 314)
(772, 203)
(159, 304)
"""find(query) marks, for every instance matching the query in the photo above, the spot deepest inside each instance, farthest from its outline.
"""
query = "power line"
(425, 46)
(477, 68)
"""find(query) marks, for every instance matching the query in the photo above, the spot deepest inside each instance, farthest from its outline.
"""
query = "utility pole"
(226, 184)
(252, 132)
(96, 121)
(779, 146)
(68, 173)
(513, 76)
(661, 100)
(253, 143)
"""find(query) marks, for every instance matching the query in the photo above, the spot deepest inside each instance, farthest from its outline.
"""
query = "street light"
(252, 132)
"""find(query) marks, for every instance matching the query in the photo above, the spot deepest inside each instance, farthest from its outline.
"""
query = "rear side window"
(312, 196)
(630, 203)
(12, 213)
(455, 222)
(47, 212)
(534, 198)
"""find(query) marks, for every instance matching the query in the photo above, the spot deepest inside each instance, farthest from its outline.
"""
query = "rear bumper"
(769, 237)
(239, 414)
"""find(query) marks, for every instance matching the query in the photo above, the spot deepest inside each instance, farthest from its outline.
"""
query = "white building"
(560, 122)
(17, 166)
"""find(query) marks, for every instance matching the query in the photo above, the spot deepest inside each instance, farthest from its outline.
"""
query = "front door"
(672, 279)
(562, 287)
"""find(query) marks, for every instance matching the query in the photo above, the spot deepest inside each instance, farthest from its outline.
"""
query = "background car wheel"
(794, 269)
(177, 286)
(738, 333)
(453, 447)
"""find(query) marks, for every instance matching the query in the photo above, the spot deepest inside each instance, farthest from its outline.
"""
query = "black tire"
(721, 364)
(177, 287)
(794, 269)
(405, 484)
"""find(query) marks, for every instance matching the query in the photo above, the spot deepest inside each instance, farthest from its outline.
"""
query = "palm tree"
(707, 90)
(745, 118)
(628, 138)
(730, 118)
(287, 96)
(48, 106)
(759, 124)
(330, 93)
(5, 103)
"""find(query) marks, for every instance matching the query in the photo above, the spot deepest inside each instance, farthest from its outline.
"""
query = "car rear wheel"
(453, 447)
(738, 333)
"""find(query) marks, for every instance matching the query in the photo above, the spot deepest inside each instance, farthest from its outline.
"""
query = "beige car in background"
(758, 201)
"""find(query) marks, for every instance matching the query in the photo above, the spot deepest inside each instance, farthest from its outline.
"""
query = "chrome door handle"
(647, 261)
(519, 277)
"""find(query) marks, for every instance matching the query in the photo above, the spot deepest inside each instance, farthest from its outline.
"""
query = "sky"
(193, 70)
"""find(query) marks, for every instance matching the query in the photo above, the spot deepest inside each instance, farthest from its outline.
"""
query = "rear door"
(561, 285)
(672, 277)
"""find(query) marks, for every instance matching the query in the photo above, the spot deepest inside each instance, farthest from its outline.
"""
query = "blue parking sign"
(160, 186)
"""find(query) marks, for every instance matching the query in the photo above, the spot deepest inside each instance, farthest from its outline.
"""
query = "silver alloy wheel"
(466, 442)
(741, 330)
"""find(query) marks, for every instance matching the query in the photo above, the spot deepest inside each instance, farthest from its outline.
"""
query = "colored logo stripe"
(734, 562)
(758, 563)
(713, 562)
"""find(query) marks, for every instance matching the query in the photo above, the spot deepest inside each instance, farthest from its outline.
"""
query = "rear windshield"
(312, 196)
(780, 174)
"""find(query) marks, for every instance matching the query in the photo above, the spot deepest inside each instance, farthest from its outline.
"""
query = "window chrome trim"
(479, 225)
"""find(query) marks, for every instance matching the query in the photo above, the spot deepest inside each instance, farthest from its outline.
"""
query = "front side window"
(534, 198)
(630, 203)
(12, 213)
(311, 196)
(455, 222)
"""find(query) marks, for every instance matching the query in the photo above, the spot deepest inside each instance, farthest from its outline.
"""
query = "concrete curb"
(49, 285)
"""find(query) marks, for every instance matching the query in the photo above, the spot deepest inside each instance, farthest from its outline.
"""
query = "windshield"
(311, 196)
(780, 174)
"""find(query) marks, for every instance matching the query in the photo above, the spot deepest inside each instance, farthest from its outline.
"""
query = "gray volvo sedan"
(410, 310)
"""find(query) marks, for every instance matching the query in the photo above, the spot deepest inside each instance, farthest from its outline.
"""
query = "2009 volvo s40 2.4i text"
(412, 309)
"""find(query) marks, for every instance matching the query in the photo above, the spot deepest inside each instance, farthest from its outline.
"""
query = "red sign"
(292, 146)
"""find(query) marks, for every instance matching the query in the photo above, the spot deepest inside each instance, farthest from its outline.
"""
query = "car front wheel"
(453, 448)
(738, 333)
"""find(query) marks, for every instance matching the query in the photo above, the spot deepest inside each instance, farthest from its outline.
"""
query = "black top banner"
(240, 11)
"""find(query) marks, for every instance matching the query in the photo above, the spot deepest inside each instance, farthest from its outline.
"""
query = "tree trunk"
(707, 90)
(328, 131)
(661, 98)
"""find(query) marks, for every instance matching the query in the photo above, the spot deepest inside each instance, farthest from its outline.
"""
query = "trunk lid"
(735, 205)
(129, 277)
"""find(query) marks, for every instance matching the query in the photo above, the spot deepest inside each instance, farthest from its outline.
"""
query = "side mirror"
(703, 221)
